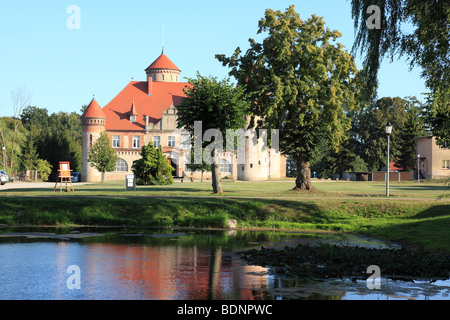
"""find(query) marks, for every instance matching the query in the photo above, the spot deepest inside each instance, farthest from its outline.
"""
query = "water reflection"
(125, 266)
(165, 265)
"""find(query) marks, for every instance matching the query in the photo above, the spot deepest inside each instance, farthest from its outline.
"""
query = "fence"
(374, 176)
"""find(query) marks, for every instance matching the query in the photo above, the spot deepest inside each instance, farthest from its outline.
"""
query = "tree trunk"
(303, 181)
(103, 176)
(215, 170)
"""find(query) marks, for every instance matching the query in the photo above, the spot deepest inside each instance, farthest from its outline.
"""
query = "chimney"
(150, 85)
(146, 124)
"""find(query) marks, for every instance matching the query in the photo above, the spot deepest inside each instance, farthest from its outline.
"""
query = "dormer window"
(133, 118)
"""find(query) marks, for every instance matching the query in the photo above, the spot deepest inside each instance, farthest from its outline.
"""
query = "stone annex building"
(146, 111)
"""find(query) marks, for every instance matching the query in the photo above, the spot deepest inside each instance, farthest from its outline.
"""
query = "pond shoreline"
(412, 223)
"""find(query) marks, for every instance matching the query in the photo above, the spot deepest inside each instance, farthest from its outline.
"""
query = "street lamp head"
(388, 128)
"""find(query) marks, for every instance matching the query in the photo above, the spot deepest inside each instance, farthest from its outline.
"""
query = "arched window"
(225, 166)
(122, 165)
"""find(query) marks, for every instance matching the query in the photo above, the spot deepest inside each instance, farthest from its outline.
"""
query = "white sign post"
(130, 182)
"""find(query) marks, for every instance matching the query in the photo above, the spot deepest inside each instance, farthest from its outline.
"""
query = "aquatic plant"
(336, 261)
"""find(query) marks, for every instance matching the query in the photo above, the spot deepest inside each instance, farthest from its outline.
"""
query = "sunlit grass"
(264, 189)
(412, 214)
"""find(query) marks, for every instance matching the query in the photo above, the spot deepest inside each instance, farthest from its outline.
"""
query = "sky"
(63, 68)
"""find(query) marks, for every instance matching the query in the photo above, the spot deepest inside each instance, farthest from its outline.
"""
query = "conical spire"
(93, 110)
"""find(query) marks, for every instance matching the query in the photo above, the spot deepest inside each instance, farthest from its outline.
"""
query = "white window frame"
(224, 165)
(171, 141)
(445, 164)
(186, 141)
(121, 165)
(116, 141)
(156, 141)
(136, 142)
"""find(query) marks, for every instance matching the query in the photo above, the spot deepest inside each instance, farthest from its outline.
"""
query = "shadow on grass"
(428, 229)
(419, 188)
(117, 191)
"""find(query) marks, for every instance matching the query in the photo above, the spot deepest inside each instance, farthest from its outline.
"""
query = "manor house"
(146, 111)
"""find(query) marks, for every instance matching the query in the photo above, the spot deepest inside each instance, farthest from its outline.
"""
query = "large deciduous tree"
(218, 105)
(301, 81)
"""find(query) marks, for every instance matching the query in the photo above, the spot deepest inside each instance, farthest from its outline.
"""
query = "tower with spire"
(93, 123)
(163, 70)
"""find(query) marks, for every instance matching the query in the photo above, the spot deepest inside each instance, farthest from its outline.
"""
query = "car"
(4, 178)
(75, 177)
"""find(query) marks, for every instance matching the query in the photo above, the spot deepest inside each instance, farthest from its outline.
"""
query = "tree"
(301, 84)
(152, 168)
(43, 168)
(427, 46)
(29, 155)
(219, 105)
(57, 136)
(412, 127)
(20, 99)
(102, 156)
(404, 115)
(13, 128)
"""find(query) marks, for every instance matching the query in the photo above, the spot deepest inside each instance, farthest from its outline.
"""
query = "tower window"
(132, 118)
(162, 77)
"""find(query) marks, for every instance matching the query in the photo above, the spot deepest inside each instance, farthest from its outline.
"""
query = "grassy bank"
(416, 222)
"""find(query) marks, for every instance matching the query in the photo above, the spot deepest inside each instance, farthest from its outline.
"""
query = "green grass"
(415, 222)
(263, 189)
(411, 214)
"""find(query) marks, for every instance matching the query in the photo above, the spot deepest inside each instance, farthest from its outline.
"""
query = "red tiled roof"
(163, 62)
(93, 111)
(163, 94)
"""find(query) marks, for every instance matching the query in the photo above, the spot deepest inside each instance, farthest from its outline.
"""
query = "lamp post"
(418, 170)
(388, 131)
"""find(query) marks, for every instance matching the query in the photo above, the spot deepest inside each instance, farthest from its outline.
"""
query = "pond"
(148, 264)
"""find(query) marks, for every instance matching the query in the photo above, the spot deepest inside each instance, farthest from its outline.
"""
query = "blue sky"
(117, 40)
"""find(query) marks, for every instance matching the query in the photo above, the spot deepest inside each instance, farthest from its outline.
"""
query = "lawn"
(263, 189)
(412, 214)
